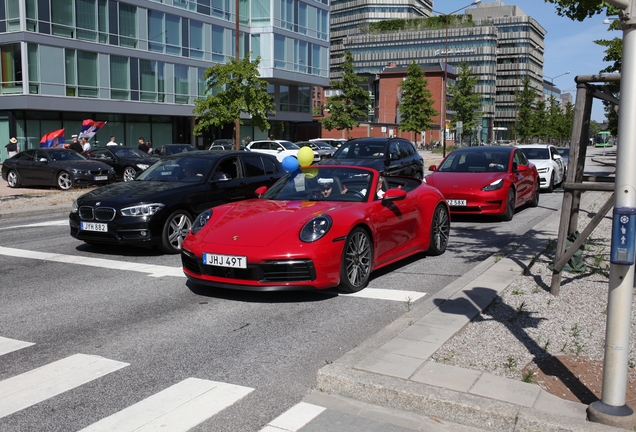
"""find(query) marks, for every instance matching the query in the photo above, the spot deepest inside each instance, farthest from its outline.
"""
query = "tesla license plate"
(225, 260)
(92, 226)
(98, 178)
(456, 203)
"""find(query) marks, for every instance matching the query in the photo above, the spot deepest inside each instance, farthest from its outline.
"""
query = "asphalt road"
(152, 330)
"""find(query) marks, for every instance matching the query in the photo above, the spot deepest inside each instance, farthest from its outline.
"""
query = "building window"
(196, 39)
(260, 13)
(151, 81)
(181, 88)
(11, 69)
(218, 44)
(82, 84)
(304, 99)
(283, 94)
(62, 19)
(127, 25)
(119, 78)
(13, 15)
(34, 71)
(221, 9)
(202, 83)
(91, 20)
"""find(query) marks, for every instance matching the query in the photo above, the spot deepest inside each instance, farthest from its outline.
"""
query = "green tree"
(614, 55)
(554, 118)
(539, 120)
(350, 103)
(233, 88)
(463, 99)
(580, 9)
(525, 109)
(564, 126)
(416, 105)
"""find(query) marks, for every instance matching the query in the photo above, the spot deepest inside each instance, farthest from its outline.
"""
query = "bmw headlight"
(75, 207)
(200, 221)
(316, 228)
(79, 171)
(143, 166)
(142, 210)
(497, 184)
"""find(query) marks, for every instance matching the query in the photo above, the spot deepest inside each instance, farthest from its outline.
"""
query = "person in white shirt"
(112, 141)
(86, 144)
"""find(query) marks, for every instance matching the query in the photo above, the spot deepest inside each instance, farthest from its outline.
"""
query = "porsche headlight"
(200, 221)
(75, 207)
(143, 166)
(142, 210)
(315, 228)
(497, 184)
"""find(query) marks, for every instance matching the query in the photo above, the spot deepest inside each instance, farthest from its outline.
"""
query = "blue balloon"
(290, 163)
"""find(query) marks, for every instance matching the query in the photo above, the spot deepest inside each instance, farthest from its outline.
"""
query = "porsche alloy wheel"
(356, 261)
(440, 230)
(129, 173)
(510, 206)
(12, 179)
(64, 180)
(177, 226)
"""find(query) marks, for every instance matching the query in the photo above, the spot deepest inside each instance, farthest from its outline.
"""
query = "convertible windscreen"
(322, 184)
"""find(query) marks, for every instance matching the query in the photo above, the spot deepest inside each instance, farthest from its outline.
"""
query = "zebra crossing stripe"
(9, 345)
(30, 388)
(177, 408)
(294, 418)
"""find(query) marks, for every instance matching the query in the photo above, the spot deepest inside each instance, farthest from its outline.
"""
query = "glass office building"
(139, 64)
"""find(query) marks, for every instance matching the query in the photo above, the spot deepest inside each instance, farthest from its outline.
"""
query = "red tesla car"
(486, 181)
(318, 227)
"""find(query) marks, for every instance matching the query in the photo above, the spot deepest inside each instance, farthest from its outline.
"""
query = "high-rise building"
(139, 64)
(501, 44)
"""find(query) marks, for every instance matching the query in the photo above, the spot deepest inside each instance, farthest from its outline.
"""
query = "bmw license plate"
(99, 178)
(456, 203)
(225, 260)
(92, 226)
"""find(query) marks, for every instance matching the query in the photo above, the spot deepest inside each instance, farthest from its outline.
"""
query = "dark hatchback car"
(55, 167)
(126, 161)
(390, 156)
(158, 207)
(170, 149)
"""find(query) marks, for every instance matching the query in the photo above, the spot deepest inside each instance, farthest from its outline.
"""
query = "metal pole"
(611, 409)
(237, 122)
(444, 98)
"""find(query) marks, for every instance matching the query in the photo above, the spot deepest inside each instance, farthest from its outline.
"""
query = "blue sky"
(568, 44)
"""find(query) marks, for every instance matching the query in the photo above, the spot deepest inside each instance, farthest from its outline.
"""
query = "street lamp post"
(444, 84)
(553, 78)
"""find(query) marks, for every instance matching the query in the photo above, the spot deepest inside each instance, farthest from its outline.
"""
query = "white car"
(279, 148)
(549, 163)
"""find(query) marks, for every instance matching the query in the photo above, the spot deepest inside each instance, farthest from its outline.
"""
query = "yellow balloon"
(305, 156)
(310, 172)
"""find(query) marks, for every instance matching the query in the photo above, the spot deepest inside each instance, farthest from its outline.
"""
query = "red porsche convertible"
(316, 228)
(486, 180)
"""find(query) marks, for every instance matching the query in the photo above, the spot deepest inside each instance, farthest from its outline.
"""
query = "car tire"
(129, 174)
(64, 180)
(510, 206)
(356, 262)
(551, 184)
(534, 202)
(418, 175)
(175, 229)
(440, 230)
(13, 179)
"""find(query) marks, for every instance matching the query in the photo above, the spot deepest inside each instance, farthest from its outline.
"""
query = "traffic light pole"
(612, 409)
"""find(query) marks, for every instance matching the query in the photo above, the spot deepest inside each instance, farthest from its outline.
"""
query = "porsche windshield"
(322, 184)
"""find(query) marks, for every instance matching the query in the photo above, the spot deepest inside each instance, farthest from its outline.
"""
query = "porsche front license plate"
(92, 226)
(456, 203)
(225, 260)
(99, 178)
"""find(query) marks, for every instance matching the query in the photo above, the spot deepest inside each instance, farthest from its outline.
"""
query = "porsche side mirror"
(394, 195)
(260, 191)
(432, 168)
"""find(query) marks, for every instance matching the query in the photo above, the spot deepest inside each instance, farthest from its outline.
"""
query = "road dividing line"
(9, 345)
(35, 386)
(385, 294)
(175, 409)
(151, 269)
(294, 418)
(63, 222)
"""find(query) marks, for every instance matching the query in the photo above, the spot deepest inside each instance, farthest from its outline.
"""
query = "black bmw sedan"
(157, 208)
(59, 167)
(126, 161)
(390, 156)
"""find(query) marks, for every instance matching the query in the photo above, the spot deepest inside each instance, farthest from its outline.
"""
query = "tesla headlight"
(143, 166)
(200, 221)
(315, 228)
(142, 210)
(79, 171)
(75, 207)
(497, 184)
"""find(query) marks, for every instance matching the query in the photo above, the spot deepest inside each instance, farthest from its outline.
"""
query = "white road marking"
(151, 269)
(294, 418)
(40, 224)
(177, 408)
(9, 345)
(30, 388)
(385, 294)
